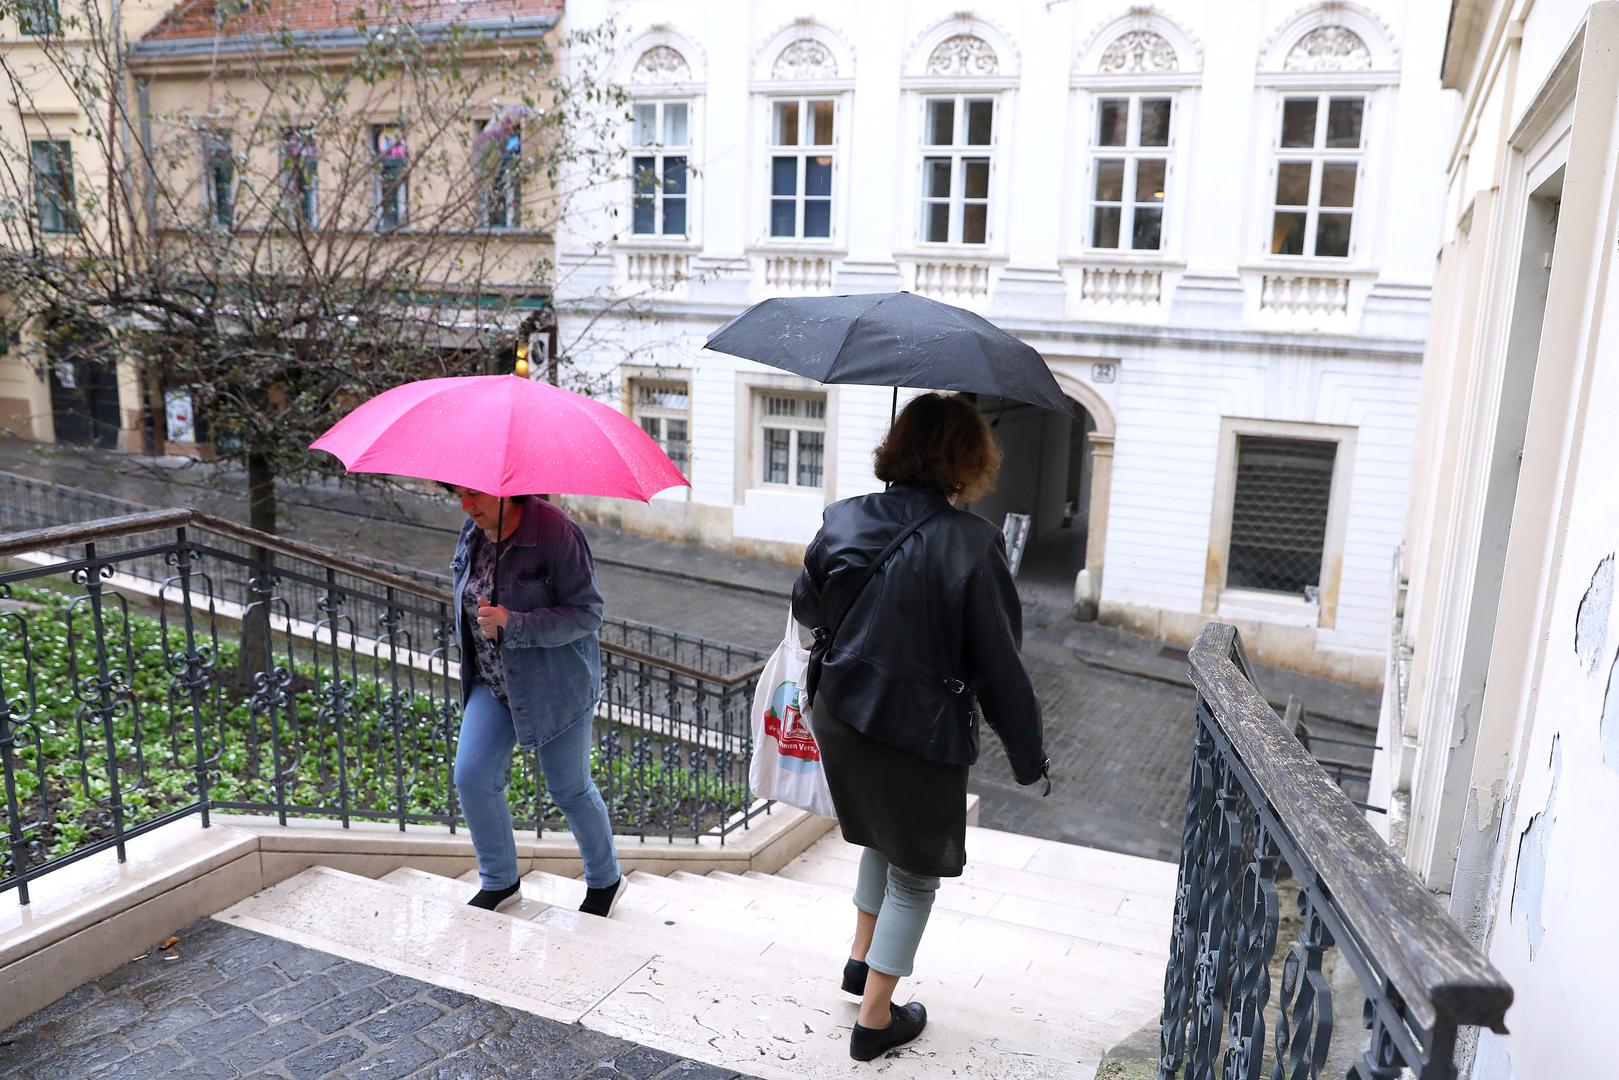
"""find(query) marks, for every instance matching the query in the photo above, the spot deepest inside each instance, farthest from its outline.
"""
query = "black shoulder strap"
(829, 631)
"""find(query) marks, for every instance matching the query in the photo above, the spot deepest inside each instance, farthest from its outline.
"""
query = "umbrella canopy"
(890, 339)
(502, 435)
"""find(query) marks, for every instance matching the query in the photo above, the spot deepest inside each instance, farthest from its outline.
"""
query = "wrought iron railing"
(1263, 820)
(27, 502)
(164, 664)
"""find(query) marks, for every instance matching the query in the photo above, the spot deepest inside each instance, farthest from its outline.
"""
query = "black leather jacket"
(938, 625)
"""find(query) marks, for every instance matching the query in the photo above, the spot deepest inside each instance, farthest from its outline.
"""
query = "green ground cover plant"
(302, 736)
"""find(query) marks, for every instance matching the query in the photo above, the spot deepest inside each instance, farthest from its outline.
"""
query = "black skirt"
(911, 809)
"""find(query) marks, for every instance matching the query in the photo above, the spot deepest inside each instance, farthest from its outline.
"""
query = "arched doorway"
(1058, 471)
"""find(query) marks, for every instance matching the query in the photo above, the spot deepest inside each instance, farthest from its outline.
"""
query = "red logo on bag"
(784, 723)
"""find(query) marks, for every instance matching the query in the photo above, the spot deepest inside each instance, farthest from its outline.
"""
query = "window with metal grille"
(663, 409)
(1279, 514)
(792, 447)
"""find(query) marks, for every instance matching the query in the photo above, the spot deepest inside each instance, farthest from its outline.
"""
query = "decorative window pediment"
(1329, 48)
(805, 58)
(661, 64)
(964, 55)
(1139, 51)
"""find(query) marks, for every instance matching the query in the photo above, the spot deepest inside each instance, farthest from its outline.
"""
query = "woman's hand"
(491, 617)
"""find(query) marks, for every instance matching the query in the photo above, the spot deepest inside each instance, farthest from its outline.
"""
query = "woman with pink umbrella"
(527, 609)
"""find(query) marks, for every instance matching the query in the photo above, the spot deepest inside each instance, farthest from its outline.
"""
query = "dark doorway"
(84, 402)
(1046, 474)
(84, 383)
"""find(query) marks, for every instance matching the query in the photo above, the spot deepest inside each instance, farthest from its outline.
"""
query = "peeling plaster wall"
(1536, 818)
(1552, 934)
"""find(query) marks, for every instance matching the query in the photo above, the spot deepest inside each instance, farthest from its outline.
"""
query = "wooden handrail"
(1442, 979)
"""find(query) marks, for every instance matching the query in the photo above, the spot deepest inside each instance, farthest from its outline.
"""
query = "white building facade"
(1500, 726)
(1216, 222)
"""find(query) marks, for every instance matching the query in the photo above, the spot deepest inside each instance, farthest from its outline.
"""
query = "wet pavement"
(225, 1002)
(1118, 708)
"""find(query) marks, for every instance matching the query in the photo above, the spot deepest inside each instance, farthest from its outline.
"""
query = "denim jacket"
(551, 649)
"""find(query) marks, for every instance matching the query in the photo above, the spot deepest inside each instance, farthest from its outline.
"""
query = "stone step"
(965, 949)
(546, 969)
(765, 1019)
(1041, 869)
(985, 891)
(1108, 927)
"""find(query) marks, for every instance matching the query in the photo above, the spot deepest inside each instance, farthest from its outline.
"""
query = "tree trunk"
(257, 646)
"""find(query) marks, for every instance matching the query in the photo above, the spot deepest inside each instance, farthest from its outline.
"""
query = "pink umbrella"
(502, 435)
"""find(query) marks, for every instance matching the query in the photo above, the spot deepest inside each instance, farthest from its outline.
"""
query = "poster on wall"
(181, 417)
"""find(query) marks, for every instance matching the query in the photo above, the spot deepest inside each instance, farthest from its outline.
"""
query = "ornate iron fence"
(1261, 810)
(168, 663)
(27, 502)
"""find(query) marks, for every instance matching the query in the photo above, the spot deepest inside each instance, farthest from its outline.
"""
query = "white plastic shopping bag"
(786, 763)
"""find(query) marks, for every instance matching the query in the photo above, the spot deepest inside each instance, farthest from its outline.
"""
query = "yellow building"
(284, 149)
(48, 134)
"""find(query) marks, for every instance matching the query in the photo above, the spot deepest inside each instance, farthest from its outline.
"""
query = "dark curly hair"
(942, 442)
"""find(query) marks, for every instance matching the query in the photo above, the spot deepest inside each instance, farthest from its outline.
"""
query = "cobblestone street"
(227, 1002)
(1118, 709)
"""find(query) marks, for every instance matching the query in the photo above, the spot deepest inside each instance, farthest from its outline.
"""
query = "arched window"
(661, 138)
(1331, 74)
(1137, 73)
(803, 75)
(960, 74)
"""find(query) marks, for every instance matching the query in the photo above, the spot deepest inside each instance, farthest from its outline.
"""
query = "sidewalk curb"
(1185, 683)
(685, 575)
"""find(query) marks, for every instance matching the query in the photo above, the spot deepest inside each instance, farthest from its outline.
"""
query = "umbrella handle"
(494, 578)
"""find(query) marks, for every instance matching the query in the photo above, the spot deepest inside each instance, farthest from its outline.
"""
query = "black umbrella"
(890, 339)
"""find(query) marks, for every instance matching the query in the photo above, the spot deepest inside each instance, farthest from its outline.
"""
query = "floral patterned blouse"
(480, 583)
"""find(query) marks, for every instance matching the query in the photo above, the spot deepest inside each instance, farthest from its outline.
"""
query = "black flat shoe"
(602, 901)
(854, 977)
(906, 1024)
(495, 899)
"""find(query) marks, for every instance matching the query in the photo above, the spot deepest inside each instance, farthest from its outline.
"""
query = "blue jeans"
(902, 902)
(483, 758)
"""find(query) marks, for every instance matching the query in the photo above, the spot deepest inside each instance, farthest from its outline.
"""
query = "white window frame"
(1317, 156)
(1248, 603)
(796, 426)
(957, 152)
(658, 151)
(801, 153)
(642, 411)
(1132, 152)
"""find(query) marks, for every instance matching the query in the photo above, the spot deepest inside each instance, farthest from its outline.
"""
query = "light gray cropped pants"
(901, 901)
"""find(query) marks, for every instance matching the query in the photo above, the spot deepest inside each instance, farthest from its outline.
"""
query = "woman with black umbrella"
(917, 626)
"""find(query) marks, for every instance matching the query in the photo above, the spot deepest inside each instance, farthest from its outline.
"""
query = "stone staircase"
(1036, 962)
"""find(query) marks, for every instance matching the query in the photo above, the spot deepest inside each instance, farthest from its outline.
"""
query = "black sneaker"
(602, 901)
(906, 1024)
(495, 899)
(854, 977)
